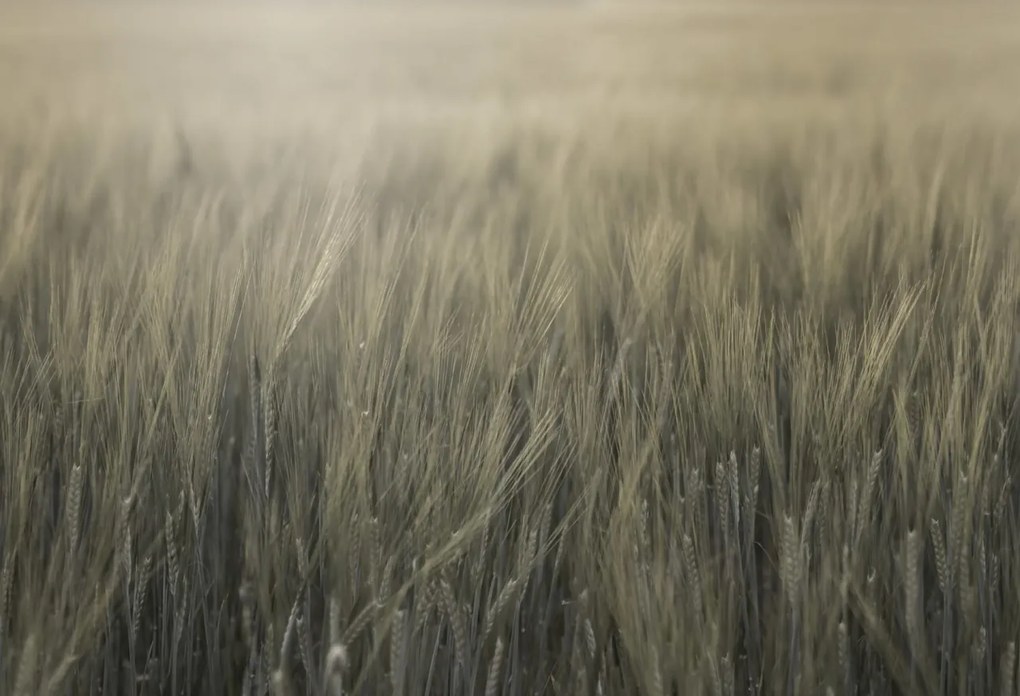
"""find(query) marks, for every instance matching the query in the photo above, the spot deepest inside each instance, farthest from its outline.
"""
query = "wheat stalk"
(693, 575)
(1008, 669)
(492, 681)
(843, 643)
(733, 473)
(811, 509)
(754, 475)
(958, 536)
(722, 494)
(122, 534)
(726, 670)
(354, 557)
(288, 634)
(914, 594)
(302, 558)
(656, 675)
(333, 622)
(715, 677)
(336, 665)
(5, 591)
(398, 653)
(791, 563)
(941, 564)
(423, 607)
(173, 562)
(505, 596)
(304, 635)
(589, 636)
(868, 492)
(72, 510)
(28, 667)
(457, 622)
(358, 625)
(269, 432)
(141, 588)
(578, 663)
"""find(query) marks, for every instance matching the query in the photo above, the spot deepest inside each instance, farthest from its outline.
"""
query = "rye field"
(455, 349)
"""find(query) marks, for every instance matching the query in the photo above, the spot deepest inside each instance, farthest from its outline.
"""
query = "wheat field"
(481, 349)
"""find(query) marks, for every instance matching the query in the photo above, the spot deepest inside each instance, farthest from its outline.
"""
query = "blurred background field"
(324, 73)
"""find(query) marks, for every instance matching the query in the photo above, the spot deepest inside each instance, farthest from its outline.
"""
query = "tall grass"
(670, 403)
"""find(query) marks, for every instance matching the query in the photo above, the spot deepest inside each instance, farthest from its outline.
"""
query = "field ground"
(585, 349)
